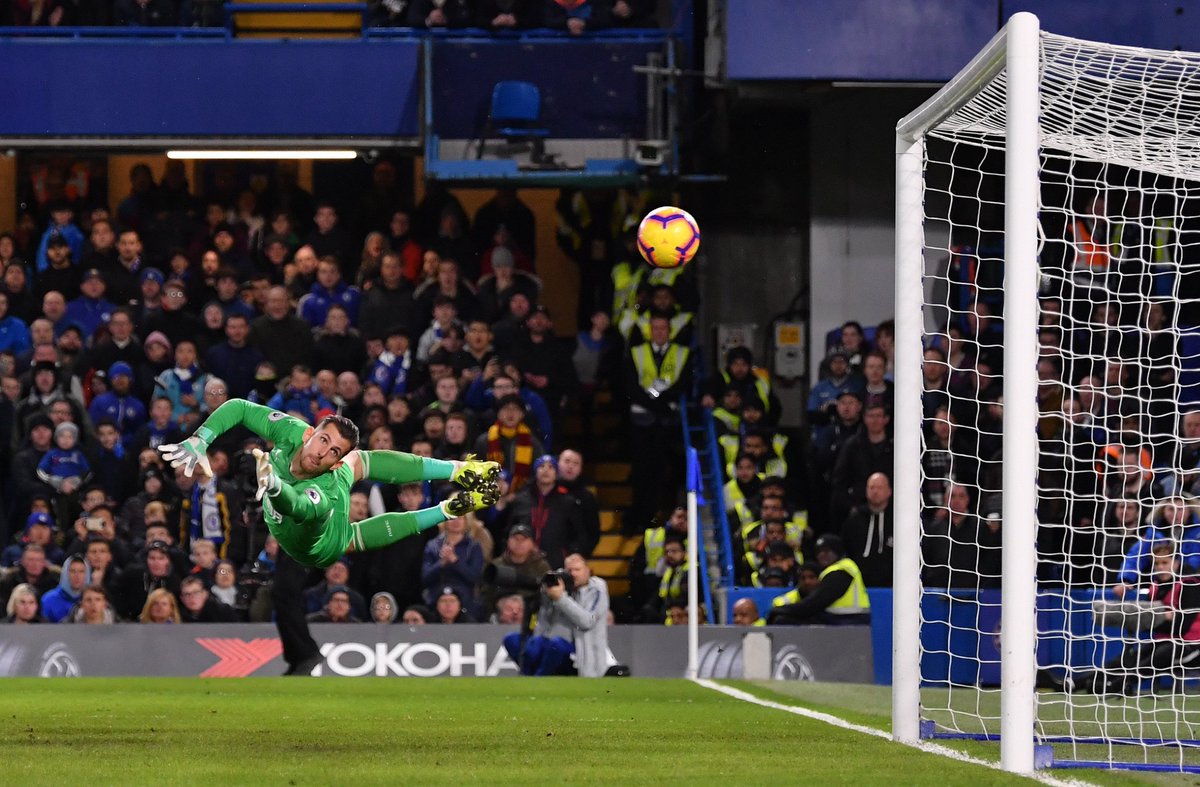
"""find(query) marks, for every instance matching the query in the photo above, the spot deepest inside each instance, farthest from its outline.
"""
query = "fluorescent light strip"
(340, 155)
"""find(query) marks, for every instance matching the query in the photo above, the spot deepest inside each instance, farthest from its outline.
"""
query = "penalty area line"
(932, 748)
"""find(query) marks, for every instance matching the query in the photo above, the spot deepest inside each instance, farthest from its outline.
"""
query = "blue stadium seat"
(516, 110)
(516, 117)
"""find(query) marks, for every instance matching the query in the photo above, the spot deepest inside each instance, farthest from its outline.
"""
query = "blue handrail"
(114, 32)
(623, 36)
(695, 483)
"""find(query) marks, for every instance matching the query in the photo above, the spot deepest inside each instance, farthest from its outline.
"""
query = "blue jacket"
(75, 240)
(127, 412)
(463, 575)
(58, 463)
(294, 400)
(57, 603)
(315, 305)
(14, 336)
(169, 384)
(826, 391)
(88, 314)
(1137, 564)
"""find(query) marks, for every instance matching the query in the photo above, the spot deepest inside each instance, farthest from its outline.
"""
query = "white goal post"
(1045, 198)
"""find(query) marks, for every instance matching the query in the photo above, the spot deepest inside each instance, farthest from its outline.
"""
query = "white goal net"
(1049, 265)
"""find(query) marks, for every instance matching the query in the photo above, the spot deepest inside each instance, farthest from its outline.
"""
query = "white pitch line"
(932, 748)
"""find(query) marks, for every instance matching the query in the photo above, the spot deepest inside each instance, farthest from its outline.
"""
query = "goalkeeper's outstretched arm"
(263, 421)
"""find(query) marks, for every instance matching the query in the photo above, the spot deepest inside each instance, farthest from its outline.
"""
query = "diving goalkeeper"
(304, 484)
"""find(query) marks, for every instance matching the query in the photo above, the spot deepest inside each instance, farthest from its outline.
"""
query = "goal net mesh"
(1118, 530)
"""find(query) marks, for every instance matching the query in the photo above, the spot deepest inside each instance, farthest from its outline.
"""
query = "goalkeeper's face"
(324, 448)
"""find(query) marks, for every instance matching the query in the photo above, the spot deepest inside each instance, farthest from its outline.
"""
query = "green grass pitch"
(450, 731)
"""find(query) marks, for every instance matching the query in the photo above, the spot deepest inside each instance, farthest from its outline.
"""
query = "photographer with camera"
(572, 618)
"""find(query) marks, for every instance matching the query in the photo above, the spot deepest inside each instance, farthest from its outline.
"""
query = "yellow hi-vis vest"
(654, 540)
(762, 384)
(730, 421)
(678, 322)
(671, 587)
(735, 500)
(853, 602)
(658, 377)
(776, 465)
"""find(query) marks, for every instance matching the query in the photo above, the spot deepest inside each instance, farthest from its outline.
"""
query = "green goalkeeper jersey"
(322, 535)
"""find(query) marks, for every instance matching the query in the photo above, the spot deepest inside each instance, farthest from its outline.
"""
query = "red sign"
(239, 658)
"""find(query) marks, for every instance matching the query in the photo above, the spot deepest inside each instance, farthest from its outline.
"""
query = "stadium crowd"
(572, 16)
(122, 329)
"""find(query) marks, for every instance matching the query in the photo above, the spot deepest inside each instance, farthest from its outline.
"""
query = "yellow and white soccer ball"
(668, 237)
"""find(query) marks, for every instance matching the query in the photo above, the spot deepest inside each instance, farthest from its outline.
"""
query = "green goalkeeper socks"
(385, 529)
(395, 467)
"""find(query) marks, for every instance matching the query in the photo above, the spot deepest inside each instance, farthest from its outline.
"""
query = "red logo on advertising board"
(238, 658)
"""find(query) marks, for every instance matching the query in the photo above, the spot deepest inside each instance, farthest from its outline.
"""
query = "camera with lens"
(552, 578)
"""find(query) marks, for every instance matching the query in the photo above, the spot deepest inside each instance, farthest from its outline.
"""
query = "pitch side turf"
(446, 731)
(488, 731)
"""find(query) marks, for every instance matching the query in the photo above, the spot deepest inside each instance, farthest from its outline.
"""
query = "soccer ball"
(668, 237)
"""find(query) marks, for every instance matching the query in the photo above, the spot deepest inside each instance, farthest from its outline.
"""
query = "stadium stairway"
(600, 438)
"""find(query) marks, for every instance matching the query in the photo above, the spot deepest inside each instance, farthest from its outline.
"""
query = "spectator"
(510, 611)
(90, 310)
(64, 467)
(138, 581)
(337, 575)
(869, 451)
(120, 406)
(160, 607)
(554, 513)
(510, 442)
(14, 333)
(839, 598)
(160, 428)
(120, 344)
(328, 239)
(868, 532)
(224, 588)
(1176, 520)
(452, 559)
(24, 481)
(499, 284)
(199, 606)
(389, 300)
(328, 290)
(22, 605)
(548, 369)
(57, 603)
(62, 228)
(570, 476)
(745, 613)
(959, 549)
(522, 557)
(94, 608)
(301, 274)
(822, 400)
(417, 615)
(301, 397)
(282, 337)
(505, 213)
(175, 322)
(383, 608)
(39, 530)
(444, 319)
(183, 385)
(99, 557)
(235, 360)
(121, 267)
(60, 276)
(450, 607)
(338, 346)
(447, 285)
(750, 380)
(778, 557)
(854, 344)
(877, 389)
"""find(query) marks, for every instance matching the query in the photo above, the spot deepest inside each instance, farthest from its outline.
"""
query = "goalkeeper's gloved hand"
(190, 454)
(265, 475)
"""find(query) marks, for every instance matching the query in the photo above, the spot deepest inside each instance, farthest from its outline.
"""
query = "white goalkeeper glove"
(268, 480)
(190, 454)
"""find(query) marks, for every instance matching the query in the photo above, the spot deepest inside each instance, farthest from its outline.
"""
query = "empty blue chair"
(516, 116)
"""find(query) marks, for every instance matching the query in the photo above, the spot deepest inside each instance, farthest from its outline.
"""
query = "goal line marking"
(932, 748)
